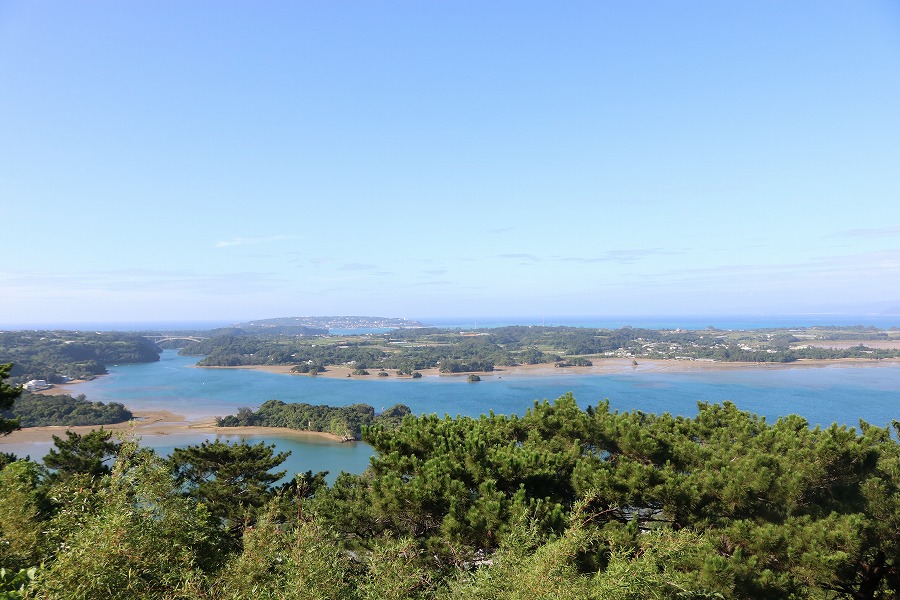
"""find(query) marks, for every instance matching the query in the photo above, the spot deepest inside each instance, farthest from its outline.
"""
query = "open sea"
(695, 322)
(723, 321)
(823, 395)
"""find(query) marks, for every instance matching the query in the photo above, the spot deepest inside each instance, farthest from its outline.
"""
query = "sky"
(224, 160)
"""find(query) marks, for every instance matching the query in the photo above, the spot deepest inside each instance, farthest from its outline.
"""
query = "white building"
(37, 384)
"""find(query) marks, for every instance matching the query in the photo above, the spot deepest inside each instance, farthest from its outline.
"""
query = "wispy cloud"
(624, 257)
(428, 284)
(140, 281)
(872, 232)
(523, 257)
(357, 267)
(252, 241)
(880, 268)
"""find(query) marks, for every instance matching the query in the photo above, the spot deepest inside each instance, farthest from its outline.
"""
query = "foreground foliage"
(558, 503)
(232, 480)
(8, 395)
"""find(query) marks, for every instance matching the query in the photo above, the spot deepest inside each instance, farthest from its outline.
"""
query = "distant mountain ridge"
(330, 322)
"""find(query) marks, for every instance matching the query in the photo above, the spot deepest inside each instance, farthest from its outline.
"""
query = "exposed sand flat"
(602, 366)
(157, 422)
(70, 388)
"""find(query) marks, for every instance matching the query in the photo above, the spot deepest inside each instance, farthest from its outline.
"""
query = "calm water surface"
(823, 395)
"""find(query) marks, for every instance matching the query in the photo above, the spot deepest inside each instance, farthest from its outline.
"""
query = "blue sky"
(233, 160)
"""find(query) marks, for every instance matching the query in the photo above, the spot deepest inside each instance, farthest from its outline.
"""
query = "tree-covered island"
(344, 421)
(324, 324)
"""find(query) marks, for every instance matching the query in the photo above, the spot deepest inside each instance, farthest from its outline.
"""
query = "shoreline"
(602, 366)
(70, 388)
(158, 423)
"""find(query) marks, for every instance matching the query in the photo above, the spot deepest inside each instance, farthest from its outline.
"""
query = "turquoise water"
(823, 395)
(842, 394)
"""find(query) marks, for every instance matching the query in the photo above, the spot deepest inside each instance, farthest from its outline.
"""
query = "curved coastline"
(155, 422)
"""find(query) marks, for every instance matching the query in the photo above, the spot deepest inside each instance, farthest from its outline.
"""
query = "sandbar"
(601, 366)
(157, 423)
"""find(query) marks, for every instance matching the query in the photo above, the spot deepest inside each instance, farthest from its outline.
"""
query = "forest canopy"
(458, 351)
(58, 356)
(39, 410)
(563, 502)
(345, 421)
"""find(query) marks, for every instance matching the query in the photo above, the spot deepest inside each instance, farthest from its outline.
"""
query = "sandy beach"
(601, 366)
(70, 388)
(155, 423)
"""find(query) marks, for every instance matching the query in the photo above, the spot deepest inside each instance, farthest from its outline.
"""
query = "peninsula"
(406, 352)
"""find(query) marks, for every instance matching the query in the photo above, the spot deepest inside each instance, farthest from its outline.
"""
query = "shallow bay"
(837, 392)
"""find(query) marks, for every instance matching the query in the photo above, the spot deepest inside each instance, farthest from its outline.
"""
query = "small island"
(344, 421)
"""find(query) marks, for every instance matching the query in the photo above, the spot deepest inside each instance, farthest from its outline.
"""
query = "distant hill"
(333, 322)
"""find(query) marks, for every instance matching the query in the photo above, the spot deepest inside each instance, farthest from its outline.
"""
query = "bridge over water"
(169, 338)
